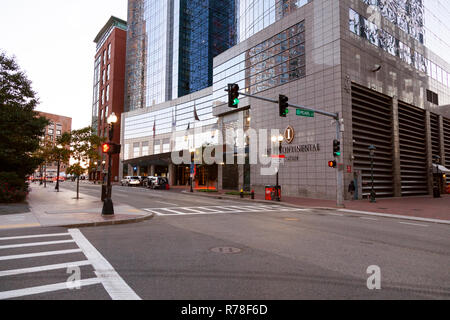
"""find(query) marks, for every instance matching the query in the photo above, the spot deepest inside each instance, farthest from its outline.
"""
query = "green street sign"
(305, 113)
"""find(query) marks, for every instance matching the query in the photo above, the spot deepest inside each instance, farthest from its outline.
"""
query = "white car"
(134, 181)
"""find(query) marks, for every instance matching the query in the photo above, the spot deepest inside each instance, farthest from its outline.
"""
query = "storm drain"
(226, 250)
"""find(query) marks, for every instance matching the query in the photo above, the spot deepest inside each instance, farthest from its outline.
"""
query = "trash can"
(270, 190)
(271, 193)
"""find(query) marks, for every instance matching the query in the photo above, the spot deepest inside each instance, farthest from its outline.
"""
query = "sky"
(53, 42)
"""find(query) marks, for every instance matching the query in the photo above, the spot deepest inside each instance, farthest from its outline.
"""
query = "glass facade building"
(256, 15)
(419, 19)
(171, 46)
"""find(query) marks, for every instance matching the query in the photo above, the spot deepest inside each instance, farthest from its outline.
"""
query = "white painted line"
(35, 244)
(43, 289)
(365, 218)
(251, 208)
(168, 203)
(171, 210)
(39, 254)
(192, 210)
(44, 268)
(210, 209)
(230, 208)
(396, 216)
(335, 214)
(112, 282)
(415, 224)
(36, 236)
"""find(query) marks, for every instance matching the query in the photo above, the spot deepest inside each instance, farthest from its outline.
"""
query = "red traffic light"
(332, 164)
(106, 148)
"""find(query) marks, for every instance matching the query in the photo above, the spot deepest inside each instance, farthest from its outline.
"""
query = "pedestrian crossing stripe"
(111, 281)
(183, 211)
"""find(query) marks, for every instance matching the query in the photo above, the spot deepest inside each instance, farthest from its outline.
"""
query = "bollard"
(253, 195)
(242, 193)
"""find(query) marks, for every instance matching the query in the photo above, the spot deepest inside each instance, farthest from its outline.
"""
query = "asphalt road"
(197, 248)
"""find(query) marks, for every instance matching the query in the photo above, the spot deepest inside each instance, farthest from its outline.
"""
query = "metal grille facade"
(413, 151)
(372, 124)
(447, 144)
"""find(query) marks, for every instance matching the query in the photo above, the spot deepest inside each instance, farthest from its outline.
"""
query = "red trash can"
(270, 190)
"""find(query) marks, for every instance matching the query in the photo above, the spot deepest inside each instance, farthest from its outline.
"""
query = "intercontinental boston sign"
(292, 152)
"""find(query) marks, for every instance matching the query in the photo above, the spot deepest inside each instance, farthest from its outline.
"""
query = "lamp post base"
(372, 198)
(108, 207)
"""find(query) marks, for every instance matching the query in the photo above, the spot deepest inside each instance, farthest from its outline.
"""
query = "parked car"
(134, 181)
(124, 181)
(161, 183)
(149, 181)
(130, 181)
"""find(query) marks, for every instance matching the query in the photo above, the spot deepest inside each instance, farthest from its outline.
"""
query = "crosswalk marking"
(39, 254)
(183, 211)
(105, 274)
(35, 244)
(43, 289)
(116, 287)
(36, 236)
(44, 268)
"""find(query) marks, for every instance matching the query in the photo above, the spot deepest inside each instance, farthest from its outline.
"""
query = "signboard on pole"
(305, 113)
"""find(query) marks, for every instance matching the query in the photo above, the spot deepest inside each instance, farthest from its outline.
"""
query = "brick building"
(58, 125)
(109, 77)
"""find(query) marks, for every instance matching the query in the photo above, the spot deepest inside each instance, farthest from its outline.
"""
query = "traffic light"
(106, 148)
(283, 105)
(336, 148)
(111, 148)
(233, 95)
(332, 164)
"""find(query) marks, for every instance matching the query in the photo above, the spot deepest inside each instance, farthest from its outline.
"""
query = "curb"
(105, 223)
(385, 215)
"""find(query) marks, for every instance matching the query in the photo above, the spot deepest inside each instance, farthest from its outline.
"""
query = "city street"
(205, 248)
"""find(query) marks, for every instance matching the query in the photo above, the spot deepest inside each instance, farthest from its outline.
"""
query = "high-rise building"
(381, 66)
(109, 79)
(171, 46)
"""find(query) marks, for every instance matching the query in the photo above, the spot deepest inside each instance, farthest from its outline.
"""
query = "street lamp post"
(372, 149)
(108, 207)
(436, 178)
(278, 139)
(191, 175)
(95, 172)
(58, 148)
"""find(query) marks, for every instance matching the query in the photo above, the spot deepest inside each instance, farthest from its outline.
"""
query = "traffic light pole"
(339, 136)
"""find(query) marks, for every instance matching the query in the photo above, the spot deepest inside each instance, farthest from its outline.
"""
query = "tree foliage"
(21, 128)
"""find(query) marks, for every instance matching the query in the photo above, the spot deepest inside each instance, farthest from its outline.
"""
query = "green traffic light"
(338, 154)
(236, 102)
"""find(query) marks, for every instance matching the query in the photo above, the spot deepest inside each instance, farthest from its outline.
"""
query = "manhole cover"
(226, 250)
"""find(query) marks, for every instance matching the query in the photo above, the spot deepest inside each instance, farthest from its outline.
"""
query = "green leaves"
(20, 126)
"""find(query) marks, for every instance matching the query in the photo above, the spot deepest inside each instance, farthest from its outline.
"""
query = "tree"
(83, 145)
(21, 128)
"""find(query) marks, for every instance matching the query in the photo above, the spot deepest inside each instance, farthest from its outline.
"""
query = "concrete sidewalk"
(424, 207)
(50, 208)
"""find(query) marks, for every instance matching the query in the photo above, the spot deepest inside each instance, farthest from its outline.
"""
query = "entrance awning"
(162, 159)
(441, 168)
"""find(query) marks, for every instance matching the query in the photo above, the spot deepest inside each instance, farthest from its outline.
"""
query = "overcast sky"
(53, 43)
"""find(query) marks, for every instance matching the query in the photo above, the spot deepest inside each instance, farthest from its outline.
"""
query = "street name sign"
(305, 113)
